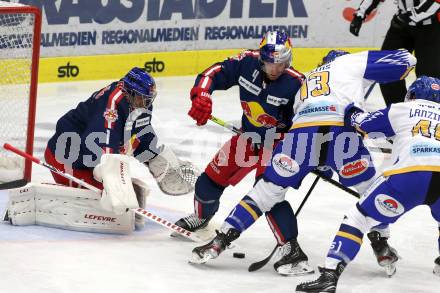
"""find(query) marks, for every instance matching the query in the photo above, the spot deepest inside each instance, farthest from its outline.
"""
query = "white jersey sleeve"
(328, 89)
(416, 126)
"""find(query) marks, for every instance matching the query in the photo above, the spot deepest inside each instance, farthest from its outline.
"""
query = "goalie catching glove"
(174, 177)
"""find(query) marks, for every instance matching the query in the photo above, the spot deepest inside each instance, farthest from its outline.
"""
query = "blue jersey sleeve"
(387, 66)
(222, 75)
(375, 124)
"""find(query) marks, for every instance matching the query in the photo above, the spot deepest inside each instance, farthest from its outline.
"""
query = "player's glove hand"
(351, 112)
(356, 24)
(201, 108)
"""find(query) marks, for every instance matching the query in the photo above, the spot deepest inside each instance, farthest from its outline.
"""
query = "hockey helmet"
(332, 55)
(275, 47)
(138, 83)
(425, 88)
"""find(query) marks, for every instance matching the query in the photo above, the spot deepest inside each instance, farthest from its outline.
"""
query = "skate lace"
(193, 221)
(284, 250)
(324, 277)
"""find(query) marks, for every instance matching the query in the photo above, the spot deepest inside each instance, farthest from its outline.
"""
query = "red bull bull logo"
(256, 115)
(388, 206)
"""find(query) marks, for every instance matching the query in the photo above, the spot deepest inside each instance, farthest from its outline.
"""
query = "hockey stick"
(259, 264)
(142, 212)
(329, 180)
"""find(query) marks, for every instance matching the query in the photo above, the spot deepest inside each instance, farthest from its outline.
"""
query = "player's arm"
(173, 176)
(219, 76)
(374, 124)
(388, 65)
(424, 10)
(365, 8)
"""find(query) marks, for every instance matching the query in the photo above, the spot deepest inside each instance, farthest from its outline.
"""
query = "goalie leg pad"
(66, 208)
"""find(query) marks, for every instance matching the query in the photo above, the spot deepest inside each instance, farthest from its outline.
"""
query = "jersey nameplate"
(249, 86)
(276, 101)
(143, 121)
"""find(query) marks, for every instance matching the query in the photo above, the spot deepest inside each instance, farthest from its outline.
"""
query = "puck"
(238, 255)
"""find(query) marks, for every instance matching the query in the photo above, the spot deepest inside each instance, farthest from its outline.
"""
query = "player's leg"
(83, 174)
(292, 260)
(212, 182)
(284, 171)
(397, 37)
(428, 59)
(434, 204)
(393, 197)
(359, 172)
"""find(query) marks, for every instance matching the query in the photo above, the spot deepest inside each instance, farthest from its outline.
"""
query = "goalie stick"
(142, 212)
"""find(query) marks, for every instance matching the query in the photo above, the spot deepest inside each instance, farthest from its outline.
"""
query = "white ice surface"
(39, 259)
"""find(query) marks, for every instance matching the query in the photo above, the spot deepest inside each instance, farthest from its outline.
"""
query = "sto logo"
(348, 12)
(256, 115)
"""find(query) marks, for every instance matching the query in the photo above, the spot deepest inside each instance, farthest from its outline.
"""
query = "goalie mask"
(140, 87)
(424, 88)
(275, 53)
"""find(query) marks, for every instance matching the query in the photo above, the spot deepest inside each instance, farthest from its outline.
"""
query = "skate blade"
(197, 260)
(302, 268)
(390, 270)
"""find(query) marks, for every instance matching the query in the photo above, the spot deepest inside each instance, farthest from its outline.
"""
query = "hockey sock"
(244, 214)
(283, 222)
(206, 196)
(345, 246)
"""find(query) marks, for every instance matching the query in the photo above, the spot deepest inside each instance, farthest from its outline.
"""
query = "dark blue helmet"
(332, 55)
(275, 47)
(138, 83)
(425, 88)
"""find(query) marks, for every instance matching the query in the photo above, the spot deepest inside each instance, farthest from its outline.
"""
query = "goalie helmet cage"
(20, 29)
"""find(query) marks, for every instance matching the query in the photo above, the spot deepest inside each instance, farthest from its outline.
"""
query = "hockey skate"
(293, 261)
(326, 283)
(214, 248)
(437, 267)
(192, 223)
(386, 255)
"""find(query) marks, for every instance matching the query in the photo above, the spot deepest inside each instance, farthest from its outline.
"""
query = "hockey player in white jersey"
(413, 179)
(317, 140)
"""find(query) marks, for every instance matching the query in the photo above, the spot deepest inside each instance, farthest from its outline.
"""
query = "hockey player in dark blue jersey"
(267, 87)
(116, 120)
(412, 180)
(317, 139)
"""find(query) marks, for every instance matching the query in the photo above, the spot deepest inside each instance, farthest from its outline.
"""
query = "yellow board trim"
(319, 123)
(249, 209)
(350, 236)
(178, 63)
(411, 169)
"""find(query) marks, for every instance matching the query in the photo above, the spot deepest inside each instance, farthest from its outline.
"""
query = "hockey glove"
(356, 24)
(350, 115)
(201, 108)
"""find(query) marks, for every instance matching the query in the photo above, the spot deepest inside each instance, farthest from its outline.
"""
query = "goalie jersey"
(416, 127)
(331, 87)
(104, 123)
